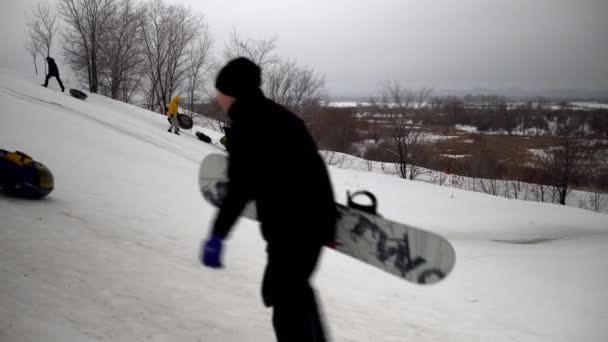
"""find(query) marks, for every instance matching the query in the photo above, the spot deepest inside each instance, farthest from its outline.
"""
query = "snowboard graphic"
(410, 253)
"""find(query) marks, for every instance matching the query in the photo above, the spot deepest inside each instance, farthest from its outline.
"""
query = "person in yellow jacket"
(172, 114)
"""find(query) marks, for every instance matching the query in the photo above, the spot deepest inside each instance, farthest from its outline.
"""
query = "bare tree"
(168, 31)
(375, 130)
(295, 87)
(369, 165)
(454, 108)
(260, 51)
(121, 54)
(542, 192)
(333, 158)
(87, 27)
(33, 48)
(199, 65)
(598, 200)
(406, 136)
(42, 29)
(422, 97)
(597, 195)
(603, 157)
(489, 186)
(566, 161)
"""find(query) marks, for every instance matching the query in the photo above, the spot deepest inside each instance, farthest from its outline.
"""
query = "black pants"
(46, 81)
(286, 288)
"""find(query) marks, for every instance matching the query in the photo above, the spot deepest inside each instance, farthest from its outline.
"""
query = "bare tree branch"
(42, 25)
(405, 135)
(200, 64)
(298, 88)
(261, 52)
(42, 30)
(121, 54)
(567, 160)
(33, 48)
(295, 87)
(168, 31)
(87, 27)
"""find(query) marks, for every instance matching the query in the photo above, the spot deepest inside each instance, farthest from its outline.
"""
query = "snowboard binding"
(368, 208)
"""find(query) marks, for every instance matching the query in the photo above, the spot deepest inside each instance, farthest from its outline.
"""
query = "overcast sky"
(443, 44)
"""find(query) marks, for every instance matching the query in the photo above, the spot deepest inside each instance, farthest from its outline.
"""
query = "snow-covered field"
(466, 128)
(111, 254)
(578, 104)
(346, 104)
(590, 105)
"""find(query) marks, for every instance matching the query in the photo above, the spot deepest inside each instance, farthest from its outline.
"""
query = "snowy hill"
(111, 254)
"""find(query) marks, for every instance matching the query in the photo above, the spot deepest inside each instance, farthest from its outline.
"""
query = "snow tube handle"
(23, 156)
(371, 208)
(17, 157)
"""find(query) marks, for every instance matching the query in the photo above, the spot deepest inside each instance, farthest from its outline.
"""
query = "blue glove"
(211, 251)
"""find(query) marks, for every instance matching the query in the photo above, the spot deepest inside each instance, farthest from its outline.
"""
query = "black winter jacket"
(274, 161)
(52, 67)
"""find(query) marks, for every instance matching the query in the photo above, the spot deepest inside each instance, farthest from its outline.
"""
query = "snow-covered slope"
(111, 254)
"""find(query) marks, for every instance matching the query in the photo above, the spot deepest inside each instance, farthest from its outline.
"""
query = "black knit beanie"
(239, 78)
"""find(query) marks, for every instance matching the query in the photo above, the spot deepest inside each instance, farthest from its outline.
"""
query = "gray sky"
(443, 44)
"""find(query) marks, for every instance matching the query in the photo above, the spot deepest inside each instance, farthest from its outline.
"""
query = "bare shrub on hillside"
(565, 162)
(333, 158)
(405, 136)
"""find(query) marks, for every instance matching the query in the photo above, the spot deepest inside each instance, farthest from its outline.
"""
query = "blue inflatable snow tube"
(21, 176)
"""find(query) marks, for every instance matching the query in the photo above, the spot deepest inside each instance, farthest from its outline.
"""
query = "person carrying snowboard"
(53, 72)
(273, 160)
(172, 114)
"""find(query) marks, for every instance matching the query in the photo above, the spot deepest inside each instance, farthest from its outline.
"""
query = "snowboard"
(413, 254)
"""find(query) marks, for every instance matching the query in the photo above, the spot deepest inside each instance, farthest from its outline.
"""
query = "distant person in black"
(273, 160)
(53, 72)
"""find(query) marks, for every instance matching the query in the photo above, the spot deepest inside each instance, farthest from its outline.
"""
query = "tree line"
(407, 130)
(145, 52)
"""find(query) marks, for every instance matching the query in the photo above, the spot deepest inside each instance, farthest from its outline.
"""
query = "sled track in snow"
(139, 137)
(530, 241)
(542, 240)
